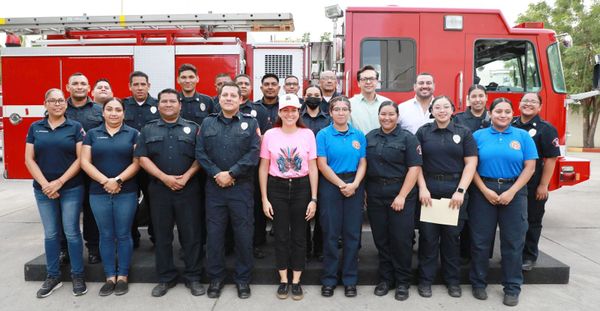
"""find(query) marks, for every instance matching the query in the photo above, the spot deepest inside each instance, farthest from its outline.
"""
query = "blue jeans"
(114, 216)
(64, 210)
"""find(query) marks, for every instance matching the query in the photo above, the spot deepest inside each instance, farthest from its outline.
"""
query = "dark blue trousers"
(340, 216)
(512, 220)
(435, 239)
(392, 231)
(183, 209)
(236, 204)
(535, 213)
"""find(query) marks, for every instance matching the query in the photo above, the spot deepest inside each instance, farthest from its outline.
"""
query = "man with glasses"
(365, 106)
(415, 112)
(291, 85)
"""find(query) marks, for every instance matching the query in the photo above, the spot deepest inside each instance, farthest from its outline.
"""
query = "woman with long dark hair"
(288, 178)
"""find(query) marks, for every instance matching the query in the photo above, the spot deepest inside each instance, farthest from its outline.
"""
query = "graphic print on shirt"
(289, 159)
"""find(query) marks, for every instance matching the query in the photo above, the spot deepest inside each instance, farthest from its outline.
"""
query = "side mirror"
(596, 79)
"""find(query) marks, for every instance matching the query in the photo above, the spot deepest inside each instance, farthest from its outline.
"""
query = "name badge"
(456, 138)
(532, 132)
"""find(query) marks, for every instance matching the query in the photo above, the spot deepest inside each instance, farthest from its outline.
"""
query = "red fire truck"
(458, 46)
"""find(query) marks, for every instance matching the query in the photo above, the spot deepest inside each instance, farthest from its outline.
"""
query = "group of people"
(219, 167)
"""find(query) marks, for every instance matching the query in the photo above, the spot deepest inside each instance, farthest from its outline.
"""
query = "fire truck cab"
(460, 47)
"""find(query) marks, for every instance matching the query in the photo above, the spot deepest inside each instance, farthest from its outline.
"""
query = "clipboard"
(440, 213)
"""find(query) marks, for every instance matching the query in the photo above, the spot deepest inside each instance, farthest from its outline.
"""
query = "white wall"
(575, 130)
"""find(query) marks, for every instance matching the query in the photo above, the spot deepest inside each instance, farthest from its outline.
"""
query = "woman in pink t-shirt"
(288, 177)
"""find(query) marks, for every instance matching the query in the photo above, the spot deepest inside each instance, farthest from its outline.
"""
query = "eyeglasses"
(530, 101)
(369, 79)
(338, 109)
(55, 101)
(291, 84)
(328, 78)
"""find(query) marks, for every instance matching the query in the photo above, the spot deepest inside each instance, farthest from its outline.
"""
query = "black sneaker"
(50, 285)
(283, 290)
(79, 287)
(121, 288)
(107, 289)
(297, 293)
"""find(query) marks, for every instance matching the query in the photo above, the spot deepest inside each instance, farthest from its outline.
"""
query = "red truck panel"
(208, 67)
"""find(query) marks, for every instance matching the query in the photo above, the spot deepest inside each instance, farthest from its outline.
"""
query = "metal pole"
(333, 46)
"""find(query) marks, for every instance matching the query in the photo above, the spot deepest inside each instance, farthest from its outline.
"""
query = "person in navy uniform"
(140, 108)
(227, 148)
(475, 117)
(449, 162)
(195, 106)
(245, 83)
(506, 163)
(165, 149)
(81, 108)
(267, 110)
(52, 152)
(393, 165)
(545, 137)
(107, 157)
(341, 151)
(102, 91)
(315, 119)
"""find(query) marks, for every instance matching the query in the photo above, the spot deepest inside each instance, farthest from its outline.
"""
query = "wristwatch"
(119, 180)
(460, 190)
(313, 200)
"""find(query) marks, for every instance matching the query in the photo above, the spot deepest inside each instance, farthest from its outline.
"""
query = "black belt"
(386, 181)
(346, 175)
(499, 180)
(443, 177)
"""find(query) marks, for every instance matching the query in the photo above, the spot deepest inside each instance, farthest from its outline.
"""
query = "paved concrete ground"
(571, 235)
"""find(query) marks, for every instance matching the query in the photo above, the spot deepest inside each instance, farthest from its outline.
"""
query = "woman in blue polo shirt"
(107, 157)
(341, 151)
(506, 163)
(52, 157)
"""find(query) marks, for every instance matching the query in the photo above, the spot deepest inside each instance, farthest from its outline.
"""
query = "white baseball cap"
(289, 100)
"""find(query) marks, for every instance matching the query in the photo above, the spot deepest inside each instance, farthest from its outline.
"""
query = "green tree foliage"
(582, 23)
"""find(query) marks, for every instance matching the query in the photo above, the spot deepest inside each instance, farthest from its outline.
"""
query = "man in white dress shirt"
(415, 112)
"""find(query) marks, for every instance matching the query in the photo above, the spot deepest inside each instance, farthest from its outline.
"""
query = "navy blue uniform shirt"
(169, 145)
(229, 145)
(136, 115)
(197, 107)
(89, 115)
(444, 149)
(111, 155)
(390, 155)
(266, 115)
(470, 121)
(545, 137)
(55, 150)
(317, 123)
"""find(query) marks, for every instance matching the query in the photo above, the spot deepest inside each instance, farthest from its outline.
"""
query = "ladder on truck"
(207, 23)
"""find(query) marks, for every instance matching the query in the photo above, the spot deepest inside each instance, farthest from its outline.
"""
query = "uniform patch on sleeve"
(515, 145)
(419, 150)
(555, 142)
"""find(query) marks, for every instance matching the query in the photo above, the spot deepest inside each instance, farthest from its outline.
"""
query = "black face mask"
(312, 102)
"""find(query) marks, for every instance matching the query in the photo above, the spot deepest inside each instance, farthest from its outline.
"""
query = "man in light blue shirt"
(365, 106)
